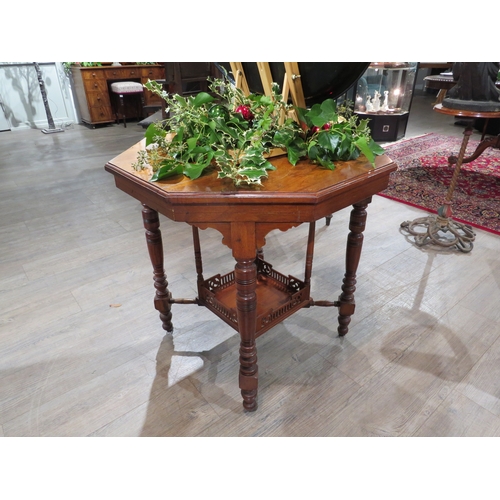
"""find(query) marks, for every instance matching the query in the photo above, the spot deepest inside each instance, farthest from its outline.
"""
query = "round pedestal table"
(441, 229)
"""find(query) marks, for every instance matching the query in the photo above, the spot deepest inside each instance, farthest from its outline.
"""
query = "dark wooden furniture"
(128, 90)
(442, 83)
(187, 79)
(92, 89)
(435, 65)
(491, 142)
(255, 297)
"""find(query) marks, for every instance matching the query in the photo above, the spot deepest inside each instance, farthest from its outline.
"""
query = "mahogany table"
(254, 297)
(470, 116)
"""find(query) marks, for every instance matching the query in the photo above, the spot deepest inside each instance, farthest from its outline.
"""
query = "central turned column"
(245, 272)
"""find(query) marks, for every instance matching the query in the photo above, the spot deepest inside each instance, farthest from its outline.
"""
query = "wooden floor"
(82, 352)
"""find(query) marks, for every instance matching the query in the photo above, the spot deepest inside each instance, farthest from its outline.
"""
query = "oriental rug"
(424, 175)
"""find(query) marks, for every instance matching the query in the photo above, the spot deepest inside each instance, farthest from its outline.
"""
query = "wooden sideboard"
(91, 86)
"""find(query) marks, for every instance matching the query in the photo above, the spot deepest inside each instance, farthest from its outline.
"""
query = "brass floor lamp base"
(441, 231)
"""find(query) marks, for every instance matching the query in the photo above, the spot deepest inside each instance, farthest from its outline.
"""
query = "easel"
(291, 85)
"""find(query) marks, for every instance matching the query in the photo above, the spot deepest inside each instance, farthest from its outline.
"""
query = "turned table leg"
(155, 248)
(357, 224)
(245, 273)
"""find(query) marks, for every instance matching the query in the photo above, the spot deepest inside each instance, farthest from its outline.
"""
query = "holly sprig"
(336, 134)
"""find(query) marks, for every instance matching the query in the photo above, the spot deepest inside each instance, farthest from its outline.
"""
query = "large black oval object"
(320, 80)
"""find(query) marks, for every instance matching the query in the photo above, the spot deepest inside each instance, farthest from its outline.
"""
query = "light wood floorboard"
(82, 351)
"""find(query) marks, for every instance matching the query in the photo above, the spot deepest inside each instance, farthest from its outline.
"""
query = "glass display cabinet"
(383, 95)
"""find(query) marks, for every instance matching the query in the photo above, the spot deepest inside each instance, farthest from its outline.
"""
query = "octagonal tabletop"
(301, 193)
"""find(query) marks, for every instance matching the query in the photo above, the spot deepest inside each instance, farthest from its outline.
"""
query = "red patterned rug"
(423, 177)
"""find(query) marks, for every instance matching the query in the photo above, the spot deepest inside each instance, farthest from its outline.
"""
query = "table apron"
(224, 211)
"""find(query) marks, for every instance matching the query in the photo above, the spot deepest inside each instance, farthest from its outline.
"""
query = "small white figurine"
(376, 101)
(385, 106)
(369, 105)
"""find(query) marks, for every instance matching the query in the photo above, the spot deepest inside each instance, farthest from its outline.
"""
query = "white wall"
(21, 100)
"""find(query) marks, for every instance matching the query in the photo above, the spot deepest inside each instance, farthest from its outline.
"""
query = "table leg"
(490, 142)
(155, 248)
(245, 273)
(440, 97)
(357, 224)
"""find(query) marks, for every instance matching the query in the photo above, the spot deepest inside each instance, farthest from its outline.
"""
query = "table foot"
(441, 231)
(249, 374)
(344, 320)
(249, 400)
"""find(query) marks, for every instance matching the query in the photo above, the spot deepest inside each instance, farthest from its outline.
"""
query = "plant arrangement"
(235, 134)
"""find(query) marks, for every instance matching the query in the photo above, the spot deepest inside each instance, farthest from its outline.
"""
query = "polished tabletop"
(308, 187)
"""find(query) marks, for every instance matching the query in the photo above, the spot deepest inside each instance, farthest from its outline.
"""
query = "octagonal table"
(254, 297)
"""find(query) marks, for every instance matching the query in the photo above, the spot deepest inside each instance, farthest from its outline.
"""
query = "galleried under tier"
(278, 296)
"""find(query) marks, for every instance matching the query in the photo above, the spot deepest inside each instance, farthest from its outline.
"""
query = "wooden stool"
(122, 89)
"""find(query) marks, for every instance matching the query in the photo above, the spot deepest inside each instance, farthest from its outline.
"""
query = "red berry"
(245, 112)
(327, 126)
(314, 129)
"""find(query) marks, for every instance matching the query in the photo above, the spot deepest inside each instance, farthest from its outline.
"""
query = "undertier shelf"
(278, 296)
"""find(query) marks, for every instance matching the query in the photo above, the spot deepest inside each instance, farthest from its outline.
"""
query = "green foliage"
(338, 136)
(67, 65)
(234, 133)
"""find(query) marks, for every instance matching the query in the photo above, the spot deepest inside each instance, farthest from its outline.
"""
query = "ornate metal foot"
(441, 231)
